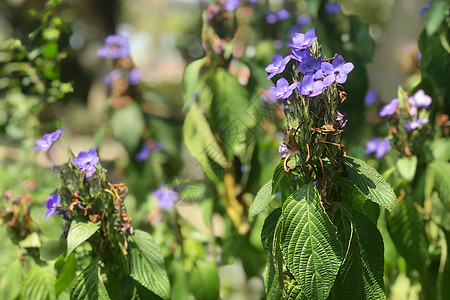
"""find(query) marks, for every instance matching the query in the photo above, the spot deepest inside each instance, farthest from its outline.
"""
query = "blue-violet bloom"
(309, 87)
(420, 99)
(47, 140)
(300, 55)
(282, 14)
(342, 119)
(116, 46)
(411, 125)
(283, 89)
(52, 204)
(278, 65)
(425, 8)
(270, 17)
(370, 97)
(379, 147)
(312, 66)
(283, 149)
(332, 8)
(337, 71)
(87, 161)
(304, 41)
(112, 76)
(389, 109)
(303, 20)
(231, 5)
(166, 197)
(134, 76)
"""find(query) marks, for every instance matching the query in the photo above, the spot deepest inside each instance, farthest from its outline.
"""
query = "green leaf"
(39, 282)
(406, 166)
(436, 15)
(407, 230)
(295, 293)
(191, 77)
(262, 199)
(278, 175)
(178, 281)
(79, 232)
(272, 286)
(147, 265)
(277, 254)
(441, 172)
(370, 183)
(88, 285)
(66, 273)
(202, 144)
(310, 245)
(205, 281)
(361, 273)
(11, 280)
(128, 125)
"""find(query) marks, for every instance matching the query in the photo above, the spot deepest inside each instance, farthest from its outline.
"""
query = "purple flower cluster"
(87, 161)
(278, 16)
(166, 197)
(317, 74)
(116, 46)
(47, 140)
(377, 146)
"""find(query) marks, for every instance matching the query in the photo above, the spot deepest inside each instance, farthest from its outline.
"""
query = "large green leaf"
(407, 230)
(66, 272)
(370, 183)
(147, 264)
(190, 79)
(361, 274)
(128, 125)
(39, 282)
(261, 200)
(11, 280)
(435, 15)
(205, 282)
(272, 286)
(295, 293)
(79, 232)
(406, 166)
(310, 245)
(202, 144)
(88, 284)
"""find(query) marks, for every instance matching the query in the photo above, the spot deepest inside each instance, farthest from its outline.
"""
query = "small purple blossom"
(370, 97)
(270, 17)
(337, 71)
(134, 76)
(52, 204)
(411, 125)
(116, 46)
(342, 119)
(304, 41)
(282, 14)
(244, 169)
(112, 76)
(303, 20)
(267, 97)
(231, 5)
(47, 140)
(389, 109)
(379, 147)
(312, 66)
(166, 197)
(425, 8)
(309, 87)
(300, 55)
(283, 149)
(283, 89)
(420, 99)
(332, 8)
(87, 161)
(145, 151)
(278, 65)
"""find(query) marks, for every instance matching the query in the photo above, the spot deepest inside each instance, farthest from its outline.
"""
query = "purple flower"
(231, 5)
(244, 168)
(304, 41)
(414, 124)
(166, 197)
(309, 87)
(303, 20)
(87, 161)
(300, 55)
(112, 76)
(278, 65)
(312, 66)
(282, 14)
(332, 8)
(283, 150)
(266, 96)
(145, 151)
(47, 140)
(337, 71)
(134, 76)
(283, 89)
(420, 99)
(270, 17)
(116, 46)
(370, 97)
(425, 8)
(379, 147)
(389, 109)
(342, 119)
(52, 204)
